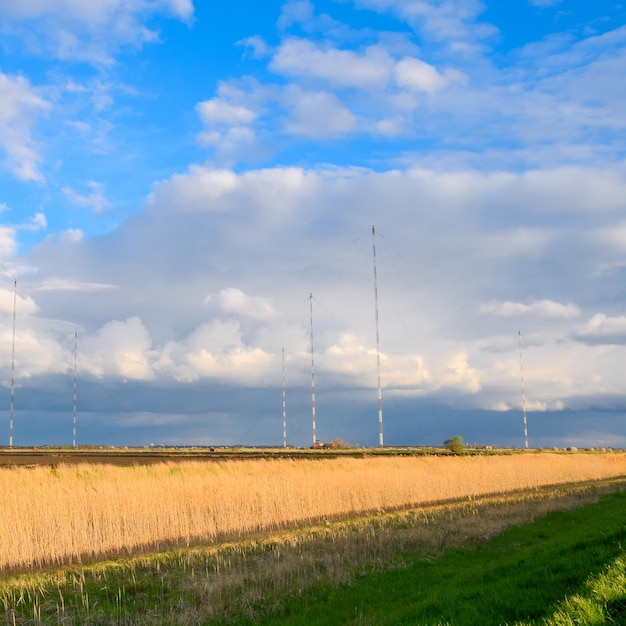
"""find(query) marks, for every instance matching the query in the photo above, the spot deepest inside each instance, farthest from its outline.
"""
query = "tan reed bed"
(71, 513)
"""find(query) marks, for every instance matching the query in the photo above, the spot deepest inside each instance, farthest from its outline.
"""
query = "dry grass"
(256, 576)
(72, 513)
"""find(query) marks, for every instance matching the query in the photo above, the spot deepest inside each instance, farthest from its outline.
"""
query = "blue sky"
(177, 177)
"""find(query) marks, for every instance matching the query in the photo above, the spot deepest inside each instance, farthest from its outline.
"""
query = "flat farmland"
(65, 513)
(14, 457)
(114, 536)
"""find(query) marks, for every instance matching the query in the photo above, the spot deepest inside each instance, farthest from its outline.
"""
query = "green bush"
(455, 444)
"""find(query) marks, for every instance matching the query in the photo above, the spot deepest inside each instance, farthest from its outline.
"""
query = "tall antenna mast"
(521, 367)
(312, 375)
(380, 392)
(74, 416)
(12, 367)
(284, 405)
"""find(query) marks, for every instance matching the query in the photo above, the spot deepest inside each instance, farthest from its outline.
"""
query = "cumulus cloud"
(460, 374)
(72, 235)
(25, 304)
(415, 74)
(258, 242)
(377, 90)
(214, 350)
(496, 183)
(197, 190)
(219, 111)
(342, 68)
(354, 358)
(233, 301)
(601, 329)
(319, 115)
(119, 349)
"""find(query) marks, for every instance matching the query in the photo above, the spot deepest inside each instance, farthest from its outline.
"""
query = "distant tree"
(455, 444)
(338, 444)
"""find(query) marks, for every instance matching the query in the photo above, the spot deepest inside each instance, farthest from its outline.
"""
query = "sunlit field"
(72, 513)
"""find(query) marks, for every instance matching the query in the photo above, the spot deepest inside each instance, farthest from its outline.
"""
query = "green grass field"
(547, 572)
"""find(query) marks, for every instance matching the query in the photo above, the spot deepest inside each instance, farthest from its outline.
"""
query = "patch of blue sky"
(520, 22)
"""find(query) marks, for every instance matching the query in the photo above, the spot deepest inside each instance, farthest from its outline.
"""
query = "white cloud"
(341, 68)
(216, 110)
(229, 144)
(259, 241)
(24, 304)
(415, 74)
(296, 12)
(542, 308)
(214, 350)
(614, 236)
(459, 374)
(96, 12)
(197, 190)
(235, 302)
(495, 179)
(352, 357)
(454, 21)
(36, 352)
(319, 115)
(535, 104)
(94, 200)
(601, 329)
(231, 119)
(8, 244)
(571, 188)
(20, 107)
(37, 222)
(89, 31)
(119, 349)
(257, 45)
(301, 13)
(72, 235)
(64, 284)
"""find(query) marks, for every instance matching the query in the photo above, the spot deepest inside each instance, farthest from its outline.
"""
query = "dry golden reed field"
(71, 513)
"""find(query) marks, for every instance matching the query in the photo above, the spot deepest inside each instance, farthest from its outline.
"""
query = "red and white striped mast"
(521, 368)
(380, 393)
(75, 390)
(284, 405)
(312, 375)
(12, 368)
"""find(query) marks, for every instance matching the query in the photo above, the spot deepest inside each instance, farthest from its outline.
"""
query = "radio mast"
(284, 405)
(12, 367)
(312, 375)
(75, 380)
(521, 367)
(380, 393)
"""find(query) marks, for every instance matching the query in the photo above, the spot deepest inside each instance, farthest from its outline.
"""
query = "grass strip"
(519, 577)
(602, 601)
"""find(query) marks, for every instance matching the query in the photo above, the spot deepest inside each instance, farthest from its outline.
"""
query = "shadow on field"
(518, 577)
